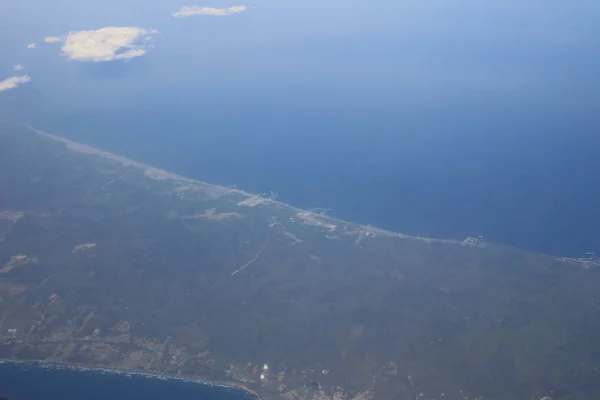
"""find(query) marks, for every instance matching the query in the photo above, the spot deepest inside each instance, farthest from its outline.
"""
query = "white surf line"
(253, 260)
(156, 173)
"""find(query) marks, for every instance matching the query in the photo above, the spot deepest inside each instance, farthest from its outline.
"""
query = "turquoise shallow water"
(20, 381)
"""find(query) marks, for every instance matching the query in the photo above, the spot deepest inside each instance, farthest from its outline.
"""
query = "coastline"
(251, 198)
(307, 216)
(141, 373)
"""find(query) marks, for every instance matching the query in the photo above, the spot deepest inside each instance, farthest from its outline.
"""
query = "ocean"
(21, 381)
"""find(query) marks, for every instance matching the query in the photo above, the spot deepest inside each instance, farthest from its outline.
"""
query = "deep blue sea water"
(43, 382)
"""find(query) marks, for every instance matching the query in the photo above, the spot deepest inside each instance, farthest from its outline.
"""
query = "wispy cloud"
(106, 44)
(13, 82)
(18, 67)
(188, 11)
(52, 39)
(129, 54)
(31, 46)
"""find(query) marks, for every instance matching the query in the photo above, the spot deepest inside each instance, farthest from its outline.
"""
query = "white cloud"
(31, 46)
(13, 82)
(18, 67)
(52, 39)
(106, 44)
(188, 11)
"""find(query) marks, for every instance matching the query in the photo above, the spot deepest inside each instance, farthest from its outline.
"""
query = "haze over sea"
(429, 118)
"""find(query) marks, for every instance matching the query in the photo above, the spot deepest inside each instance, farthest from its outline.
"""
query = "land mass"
(110, 262)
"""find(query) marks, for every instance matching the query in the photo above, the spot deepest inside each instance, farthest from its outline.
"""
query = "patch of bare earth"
(18, 261)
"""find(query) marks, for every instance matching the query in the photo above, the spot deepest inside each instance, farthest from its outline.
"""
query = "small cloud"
(13, 82)
(106, 44)
(18, 67)
(188, 11)
(31, 46)
(52, 39)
